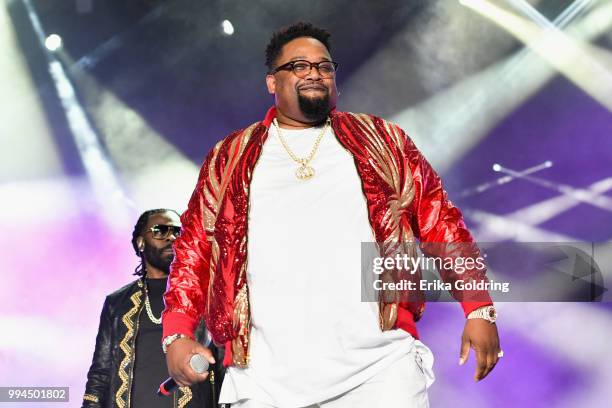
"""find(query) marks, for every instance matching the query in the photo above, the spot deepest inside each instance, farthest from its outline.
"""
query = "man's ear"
(140, 243)
(271, 83)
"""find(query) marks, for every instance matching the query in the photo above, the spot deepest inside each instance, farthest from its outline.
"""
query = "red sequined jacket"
(405, 201)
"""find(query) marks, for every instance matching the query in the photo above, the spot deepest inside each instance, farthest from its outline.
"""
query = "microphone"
(198, 363)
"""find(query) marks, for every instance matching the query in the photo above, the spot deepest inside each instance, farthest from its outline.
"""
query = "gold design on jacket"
(187, 395)
(241, 319)
(121, 397)
(214, 191)
(387, 315)
(387, 161)
(92, 398)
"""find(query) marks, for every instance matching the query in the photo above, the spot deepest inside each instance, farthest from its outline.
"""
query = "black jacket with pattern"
(110, 377)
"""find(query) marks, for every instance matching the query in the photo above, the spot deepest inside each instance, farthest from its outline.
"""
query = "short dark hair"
(286, 34)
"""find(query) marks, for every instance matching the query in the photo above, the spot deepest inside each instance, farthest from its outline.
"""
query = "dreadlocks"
(139, 231)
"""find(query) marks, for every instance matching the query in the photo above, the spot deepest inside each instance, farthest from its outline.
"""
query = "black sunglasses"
(161, 231)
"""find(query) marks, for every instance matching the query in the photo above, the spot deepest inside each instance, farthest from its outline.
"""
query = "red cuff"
(405, 321)
(175, 322)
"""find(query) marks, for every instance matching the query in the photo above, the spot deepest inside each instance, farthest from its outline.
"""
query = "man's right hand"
(177, 358)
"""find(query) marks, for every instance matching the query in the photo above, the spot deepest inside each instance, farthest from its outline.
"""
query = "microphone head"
(198, 363)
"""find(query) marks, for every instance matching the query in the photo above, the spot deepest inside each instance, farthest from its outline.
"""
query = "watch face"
(492, 313)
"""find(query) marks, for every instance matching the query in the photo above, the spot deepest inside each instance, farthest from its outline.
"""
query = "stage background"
(119, 118)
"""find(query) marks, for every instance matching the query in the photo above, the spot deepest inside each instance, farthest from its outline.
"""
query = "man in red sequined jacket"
(404, 201)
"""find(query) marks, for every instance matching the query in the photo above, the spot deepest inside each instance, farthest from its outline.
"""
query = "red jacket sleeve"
(185, 297)
(440, 228)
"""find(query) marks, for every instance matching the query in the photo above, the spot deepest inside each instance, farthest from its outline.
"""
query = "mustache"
(313, 85)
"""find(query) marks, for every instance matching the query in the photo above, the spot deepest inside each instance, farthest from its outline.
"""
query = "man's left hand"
(482, 336)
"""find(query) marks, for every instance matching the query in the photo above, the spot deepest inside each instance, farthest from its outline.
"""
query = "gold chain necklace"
(305, 171)
(149, 311)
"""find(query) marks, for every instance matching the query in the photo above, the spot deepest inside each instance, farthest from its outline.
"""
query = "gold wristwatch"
(168, 340)
(486, 312)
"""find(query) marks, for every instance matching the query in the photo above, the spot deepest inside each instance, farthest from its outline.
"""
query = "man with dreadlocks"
(270, 253)
(128, 363)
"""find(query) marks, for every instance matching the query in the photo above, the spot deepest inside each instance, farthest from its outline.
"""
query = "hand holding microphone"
(197, 363)
(179, 359)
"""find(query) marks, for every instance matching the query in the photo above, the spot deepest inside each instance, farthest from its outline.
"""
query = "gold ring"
(500, 354)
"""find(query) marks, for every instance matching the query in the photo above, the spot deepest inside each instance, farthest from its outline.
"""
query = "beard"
(315, 109)
(158, 258)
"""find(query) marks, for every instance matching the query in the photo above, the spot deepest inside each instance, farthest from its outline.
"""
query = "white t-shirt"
(311, 338)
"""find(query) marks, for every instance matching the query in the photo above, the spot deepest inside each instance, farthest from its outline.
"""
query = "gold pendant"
(304, 172)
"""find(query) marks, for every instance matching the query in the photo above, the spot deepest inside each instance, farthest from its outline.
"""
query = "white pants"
(402, 385)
